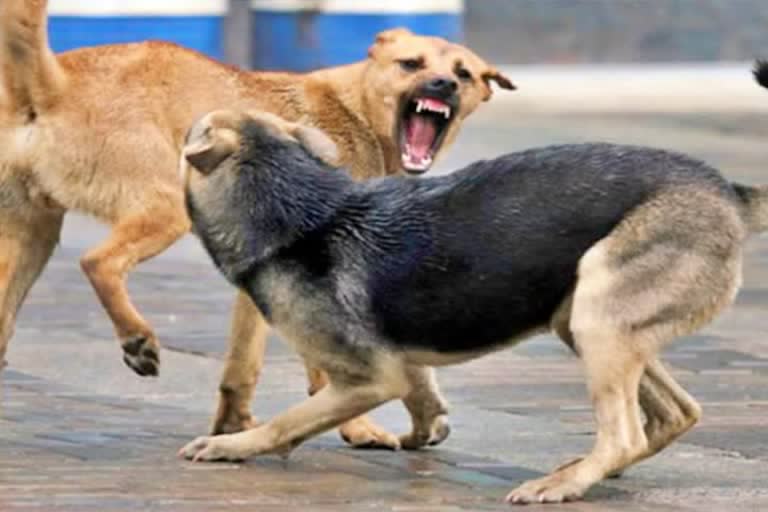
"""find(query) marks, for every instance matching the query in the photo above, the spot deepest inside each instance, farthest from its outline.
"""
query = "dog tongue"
(420, 135)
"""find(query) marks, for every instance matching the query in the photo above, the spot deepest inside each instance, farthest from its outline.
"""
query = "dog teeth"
(433, 106)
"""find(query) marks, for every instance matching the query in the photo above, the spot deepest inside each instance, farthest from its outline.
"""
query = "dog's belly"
(426, 357)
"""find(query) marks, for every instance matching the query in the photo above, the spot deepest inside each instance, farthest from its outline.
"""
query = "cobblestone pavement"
(80, 432)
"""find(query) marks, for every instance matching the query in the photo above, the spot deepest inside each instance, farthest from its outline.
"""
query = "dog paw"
(361, 432)
(438, 431)
(141, 354)
(210, 448)
(555, 488)
(232, 423)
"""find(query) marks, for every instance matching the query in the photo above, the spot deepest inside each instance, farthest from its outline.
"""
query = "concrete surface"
(80, 432)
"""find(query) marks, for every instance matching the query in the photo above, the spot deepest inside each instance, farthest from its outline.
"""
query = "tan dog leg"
(360, 432)
(669, 410)
(428, 410)
(328, 408)
(26, 244)
(245, 358)
(132, 241)
(613, 374)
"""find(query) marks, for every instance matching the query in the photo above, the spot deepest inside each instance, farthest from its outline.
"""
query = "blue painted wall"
(203, 33)
(301, 42)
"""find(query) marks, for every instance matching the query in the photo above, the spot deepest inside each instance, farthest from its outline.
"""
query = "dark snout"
(441, 87)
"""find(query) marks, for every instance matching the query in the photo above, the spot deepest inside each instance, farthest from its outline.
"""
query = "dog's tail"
(755, 203)
(760, 71)
(31, 76)
(755, 199)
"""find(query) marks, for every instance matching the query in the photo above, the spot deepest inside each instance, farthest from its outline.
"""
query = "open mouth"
(423, 124)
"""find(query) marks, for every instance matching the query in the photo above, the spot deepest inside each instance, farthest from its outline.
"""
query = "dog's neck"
(289, 195)
(348, 85)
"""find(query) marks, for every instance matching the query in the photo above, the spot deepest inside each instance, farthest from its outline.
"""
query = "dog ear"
(208, 150)
(317, 142)
(386, 37)
(494, 75)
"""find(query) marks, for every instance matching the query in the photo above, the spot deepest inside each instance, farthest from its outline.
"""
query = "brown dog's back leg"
(133, 239)
(28, 236)
(245, 358)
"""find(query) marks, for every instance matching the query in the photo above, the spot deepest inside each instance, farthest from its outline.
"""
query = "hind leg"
(649, 282)
(669, 410)
(134, 238)
(613, 374)
(245, 358)
(28, 236)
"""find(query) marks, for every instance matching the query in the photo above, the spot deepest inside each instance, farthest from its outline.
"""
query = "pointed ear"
(493, 75)
(386, 37)
(317, 142)
(210, 148)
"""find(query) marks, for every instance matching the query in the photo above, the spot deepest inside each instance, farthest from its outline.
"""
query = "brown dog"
(99, 131)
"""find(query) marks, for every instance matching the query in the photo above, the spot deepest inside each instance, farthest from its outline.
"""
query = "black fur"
(454, 263)
(761, 72)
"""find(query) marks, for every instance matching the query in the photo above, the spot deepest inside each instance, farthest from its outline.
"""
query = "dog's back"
(489, 252)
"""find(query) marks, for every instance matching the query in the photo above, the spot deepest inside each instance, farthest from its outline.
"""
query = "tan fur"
(628, 304)
(668, 268)
(99, 130)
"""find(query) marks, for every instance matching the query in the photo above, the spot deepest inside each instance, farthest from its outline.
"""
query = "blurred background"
(670, 73)
(306, 34)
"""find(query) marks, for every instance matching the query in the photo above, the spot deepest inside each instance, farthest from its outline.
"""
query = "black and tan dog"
(618, 249)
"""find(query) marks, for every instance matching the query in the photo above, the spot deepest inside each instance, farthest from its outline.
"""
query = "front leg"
(361, 431)
(135, 237)
(328, 408)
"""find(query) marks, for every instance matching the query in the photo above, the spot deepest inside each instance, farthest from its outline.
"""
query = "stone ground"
(80, 432)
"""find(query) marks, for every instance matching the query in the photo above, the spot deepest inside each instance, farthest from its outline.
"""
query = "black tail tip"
(761, 72)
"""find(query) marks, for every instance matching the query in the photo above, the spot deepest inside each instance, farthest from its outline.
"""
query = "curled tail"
(31, 76)
(755, 202)
(761, 72)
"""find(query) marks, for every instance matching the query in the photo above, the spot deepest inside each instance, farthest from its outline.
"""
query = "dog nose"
(441, 85)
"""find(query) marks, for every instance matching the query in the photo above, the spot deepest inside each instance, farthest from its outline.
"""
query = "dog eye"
(411, 65)
(463, 74)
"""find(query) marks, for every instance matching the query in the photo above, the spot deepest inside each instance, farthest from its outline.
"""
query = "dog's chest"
(304, 314)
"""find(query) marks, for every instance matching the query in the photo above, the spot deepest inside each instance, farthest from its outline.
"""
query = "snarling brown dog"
(99, 130)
